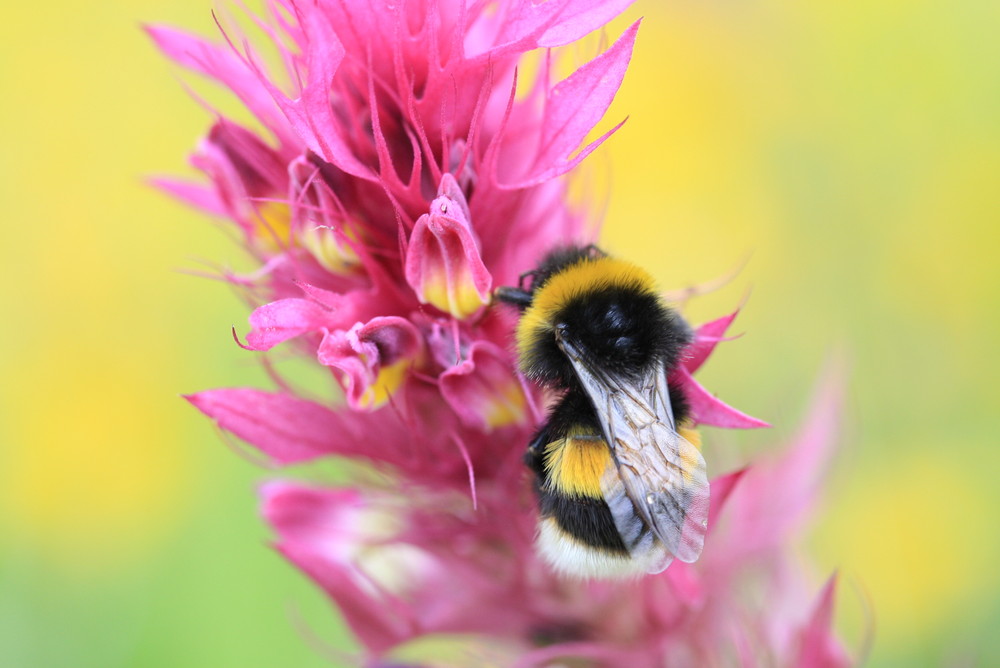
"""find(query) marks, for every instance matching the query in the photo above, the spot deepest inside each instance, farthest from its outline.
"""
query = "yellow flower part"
(387, 381)
(272, 230)
(506, 406)
(329, 248)
(458, 297)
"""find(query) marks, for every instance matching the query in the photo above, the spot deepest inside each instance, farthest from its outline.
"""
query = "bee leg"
(520, 279)
(516, 296)
(534, 458)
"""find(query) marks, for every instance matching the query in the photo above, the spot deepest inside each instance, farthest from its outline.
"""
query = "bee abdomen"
(583, 539)
(576, 464)
(570, 488)
(589, 526)
(586, 520)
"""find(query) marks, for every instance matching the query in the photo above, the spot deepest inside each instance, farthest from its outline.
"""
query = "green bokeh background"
(851, 150)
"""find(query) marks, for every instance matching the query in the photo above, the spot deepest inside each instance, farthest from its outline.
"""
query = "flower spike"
(408, 162)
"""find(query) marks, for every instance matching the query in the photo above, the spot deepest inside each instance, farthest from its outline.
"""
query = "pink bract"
(403, 172)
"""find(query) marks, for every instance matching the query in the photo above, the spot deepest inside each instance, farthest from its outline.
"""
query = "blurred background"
(850, 150)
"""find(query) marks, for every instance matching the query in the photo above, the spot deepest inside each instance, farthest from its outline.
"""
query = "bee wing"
(663, 475)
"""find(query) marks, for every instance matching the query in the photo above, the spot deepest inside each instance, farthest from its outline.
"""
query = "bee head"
(609, 311)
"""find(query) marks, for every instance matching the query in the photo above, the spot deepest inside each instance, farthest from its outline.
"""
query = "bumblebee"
(621, 482)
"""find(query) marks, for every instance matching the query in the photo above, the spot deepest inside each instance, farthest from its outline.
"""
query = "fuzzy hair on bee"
(620, 479)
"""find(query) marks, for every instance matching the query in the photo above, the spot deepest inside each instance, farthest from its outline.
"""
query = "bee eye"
(614, 317)
(623, 342)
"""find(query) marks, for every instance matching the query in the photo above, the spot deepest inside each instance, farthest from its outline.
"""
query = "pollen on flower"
(330, 247)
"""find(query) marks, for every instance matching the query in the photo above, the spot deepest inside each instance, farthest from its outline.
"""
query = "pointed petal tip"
(819, 647)
(706, 337)
(721, 489)
(589, 17)
(198, 400)
(573, 108)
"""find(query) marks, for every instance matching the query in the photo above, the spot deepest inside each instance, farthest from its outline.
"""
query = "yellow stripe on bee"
(688, 460)
(690, 434)
(587, 275)
(576, 464)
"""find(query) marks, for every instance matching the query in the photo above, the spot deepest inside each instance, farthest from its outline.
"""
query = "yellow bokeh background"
(847, 154)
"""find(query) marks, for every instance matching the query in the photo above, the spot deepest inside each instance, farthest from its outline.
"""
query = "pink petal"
(311, 515)
(483, 389)
(320, 220)
(819, 647)
(284, 427)
(443, 262)
(256, 168)
(311, 114)
(707, 409)
(323, 531)
(284, 319)
(580, 18)
(812, 446)
(706, 337)
(197, 195)
(774, 497)
(685, 579)
(223, 65)
(526, 24)
(520, 26)
(574, 106)
(379, 621)
(245, 171)
(686, 584)
(722, 488)
(372, 358)
(325, 298)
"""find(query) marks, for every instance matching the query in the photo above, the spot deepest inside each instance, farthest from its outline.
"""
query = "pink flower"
(443, 262)
(406, 172)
